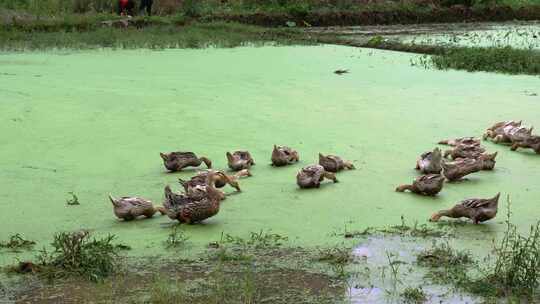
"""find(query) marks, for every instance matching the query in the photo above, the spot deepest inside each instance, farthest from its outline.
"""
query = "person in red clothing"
(125, 7)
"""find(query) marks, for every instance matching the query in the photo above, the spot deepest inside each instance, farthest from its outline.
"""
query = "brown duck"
(312, 176)
(220, 179)
(468, 141)
(531, 142)
(512, 134)
(455, 171)
(333, 163)
(176, 161)
(477, 209)
(429, 185)
(430, 162)
(464, 151)
(283, 156)
(498, 128)
(188, 209)
(130, 208)
(240, 160)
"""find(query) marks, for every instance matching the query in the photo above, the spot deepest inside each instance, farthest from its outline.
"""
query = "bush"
(76, 253)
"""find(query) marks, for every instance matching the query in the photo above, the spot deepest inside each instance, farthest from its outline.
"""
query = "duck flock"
(468, 156)
(201, 197)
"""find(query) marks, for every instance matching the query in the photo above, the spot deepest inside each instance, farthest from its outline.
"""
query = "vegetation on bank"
(287, 12)
(196, 35)
(209, 7)
(513, 272)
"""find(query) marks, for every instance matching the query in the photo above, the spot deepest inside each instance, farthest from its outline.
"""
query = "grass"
(78, 254)
(17, 243)
(197, 35)
(73, 200)
(205, 7)
(513, 272)
(177, 238)
(404, 229)
(442, 255)
(413, 295)
(506, 60)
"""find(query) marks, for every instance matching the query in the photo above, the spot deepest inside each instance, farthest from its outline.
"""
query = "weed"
(413, 295)
(256, 240)
(404, 229)
(195, 35)
(73, 200)
(506, 60)
(442, 255)
(335, 255)
(515, 273)
(163, 292)
(177, 237)
(517, 266)
(17, 242)
(76, 253)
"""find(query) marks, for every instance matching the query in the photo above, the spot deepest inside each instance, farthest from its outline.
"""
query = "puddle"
(376, 282)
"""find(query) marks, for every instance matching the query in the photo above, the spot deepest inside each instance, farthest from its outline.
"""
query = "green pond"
(94, 122)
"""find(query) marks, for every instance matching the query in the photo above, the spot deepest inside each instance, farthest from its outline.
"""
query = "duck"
(311, 176)
(191, 209)
(454, 171)
(283, 156)
(469, 141)
(510, 135)
(464, 151)
(532, 142)
(129, 208)
(429, 184)
(430, 162)
(220, 180)
(334, 163)
(240, 160)
(176, 161)
(477, 209)
(498, 127)
(487, 161)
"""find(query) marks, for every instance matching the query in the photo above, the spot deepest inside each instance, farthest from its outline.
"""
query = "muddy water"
(94, 123)
(524, 35)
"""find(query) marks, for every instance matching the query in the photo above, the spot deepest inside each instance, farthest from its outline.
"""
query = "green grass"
(513, 271)
(17, 242)
(177, 238)
(197, 35)
(202, 7)
(506, 60)
(78, 254)
(413, 295)
(493, 59)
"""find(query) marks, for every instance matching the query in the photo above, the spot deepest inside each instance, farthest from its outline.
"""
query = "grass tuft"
(413, 295)
(177, 238)
(17, 242)
(506, 60)
(77, 254)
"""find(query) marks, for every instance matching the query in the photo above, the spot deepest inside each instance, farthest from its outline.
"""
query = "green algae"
(94, 122)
